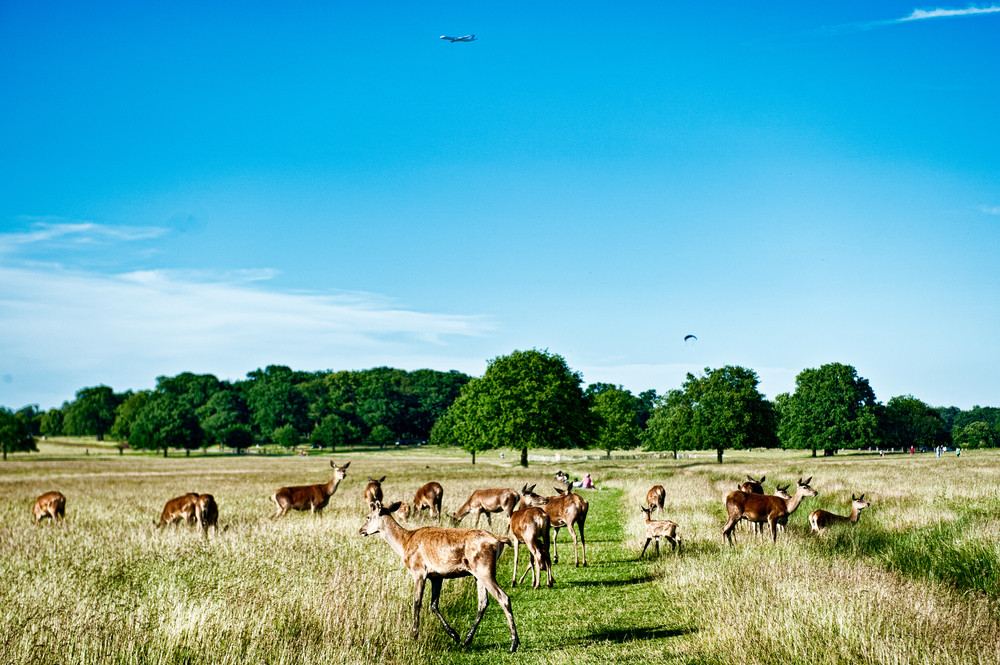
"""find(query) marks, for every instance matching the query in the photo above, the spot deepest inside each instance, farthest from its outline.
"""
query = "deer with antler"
(762, 508)
(820, 520)
(436, 554)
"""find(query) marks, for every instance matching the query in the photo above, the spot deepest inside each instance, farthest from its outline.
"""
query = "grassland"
(916, 581)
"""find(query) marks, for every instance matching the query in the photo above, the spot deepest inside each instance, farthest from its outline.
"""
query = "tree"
(524, 400)
(727, 410)
(15, 433)
(286, 436)
(166, 421)
(191, 389)
(616, 419)
(832, 407)
(93, 412)
(225, 412)
(274, 401)
(908, 422)
(335, 430)
(237, 437)
(127, 412)
(975, 435)
(671, 426)
(51, 422)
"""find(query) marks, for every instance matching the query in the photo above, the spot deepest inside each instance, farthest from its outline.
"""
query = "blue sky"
(215, 187)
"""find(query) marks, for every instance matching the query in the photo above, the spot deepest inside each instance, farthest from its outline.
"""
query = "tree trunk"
(524, 457)
(121, 450)
(719, 454)
(473, 457)
(675, 454)
(164, 452)
(829, 452)
(814, 452)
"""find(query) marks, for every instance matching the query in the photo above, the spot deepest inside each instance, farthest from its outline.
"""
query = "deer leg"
(513, 579)
(657, 546)
(525, 573)
(773, 523)
(555, 549)
(418, 596)
(576, 551)
(435, 594)
(644, 548)
(484, 600)
(583, 542)
(490, 586)
(535, 558)
(727, 531)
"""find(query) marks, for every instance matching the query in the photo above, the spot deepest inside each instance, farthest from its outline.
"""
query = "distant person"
(586, 483)
(958, 452)
(911, 450)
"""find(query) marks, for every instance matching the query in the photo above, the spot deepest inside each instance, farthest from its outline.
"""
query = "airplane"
(467, 38)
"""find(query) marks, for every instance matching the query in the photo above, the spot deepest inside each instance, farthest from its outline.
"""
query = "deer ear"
(853, 498)
(390, 509)
(382, 479)
(532, 488)
(862, 497)
(763, 478)
(345, 465)
(809, 480)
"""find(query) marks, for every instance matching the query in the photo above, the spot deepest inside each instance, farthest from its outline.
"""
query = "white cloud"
(56, 323)
(52, 230)
(922, 14)
(991, 210)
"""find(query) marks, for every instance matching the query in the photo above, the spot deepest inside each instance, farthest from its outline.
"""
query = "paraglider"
(690, 338)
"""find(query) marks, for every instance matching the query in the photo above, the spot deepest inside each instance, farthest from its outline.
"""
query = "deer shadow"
(633, 634)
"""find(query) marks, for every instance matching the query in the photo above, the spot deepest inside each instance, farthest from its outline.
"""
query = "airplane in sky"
(467, 38)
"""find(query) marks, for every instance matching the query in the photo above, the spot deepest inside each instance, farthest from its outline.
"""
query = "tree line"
(528, 399)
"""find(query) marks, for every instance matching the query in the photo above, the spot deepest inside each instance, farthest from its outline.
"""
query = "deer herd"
(437, 553)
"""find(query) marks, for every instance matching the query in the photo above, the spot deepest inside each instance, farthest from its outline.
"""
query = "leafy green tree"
(15, 433)
(92, 412)
(671, 426)
(907, 421)
(433, 393)
(334, 430)
(126, 413)
(237, 437)
(51, 422)
(975, 435)
(832, 407)
(728, 411)
(616, 419)
(191, 389)
(645, 403)
(274, 401)
(30, 416)
(523, 400)
(166, 421)
(381, 436)
(286, 436)
(225, 410)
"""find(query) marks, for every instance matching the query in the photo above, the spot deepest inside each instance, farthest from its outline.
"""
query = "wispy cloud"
(915, 15)
(990, 210)
(51, 230)
(924, 14)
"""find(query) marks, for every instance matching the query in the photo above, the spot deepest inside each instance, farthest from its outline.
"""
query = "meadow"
(917, 580)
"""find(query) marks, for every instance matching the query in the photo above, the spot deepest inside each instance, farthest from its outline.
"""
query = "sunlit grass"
(916, 581)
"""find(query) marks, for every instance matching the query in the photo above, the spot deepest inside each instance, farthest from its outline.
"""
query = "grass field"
(916, 581)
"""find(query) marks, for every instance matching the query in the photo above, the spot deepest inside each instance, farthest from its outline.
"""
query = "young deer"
(207, 513)
(655, 497)
(530, 525)
(373, 491)
(435, 554)
(655, 529)
(429, 497)
(820, 520)
(51, 505)
(179, 509)
(308, 497)
(762, 508)
(565, 510)
(487, 502)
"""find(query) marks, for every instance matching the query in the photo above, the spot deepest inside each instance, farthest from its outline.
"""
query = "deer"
(752, 486)
(207, 513)
(564, 510)
(308, 497)
(762, 508)
(436, 554)
(429, 497)
(530, 525)
(51, 505)
(373, 491)
(655, 529)
(487, 502)
(183, 508)
(655, 497)
(820, 520)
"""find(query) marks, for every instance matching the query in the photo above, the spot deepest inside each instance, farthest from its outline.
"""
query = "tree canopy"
(15, 433)
(615, 414)
(528, 399)
(832, 407)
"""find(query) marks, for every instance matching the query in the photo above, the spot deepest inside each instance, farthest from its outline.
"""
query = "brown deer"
(429, 497)
(182, 508)
(655, 529)
(820, 520)
(487, 502)
(762, 508)
(752, 486)
(435, 554)
(373, 491)
(308, 497)
(404, 512)
(51, 505)
(565, 510)
(655, 497)
(207, 513)
(530, 525)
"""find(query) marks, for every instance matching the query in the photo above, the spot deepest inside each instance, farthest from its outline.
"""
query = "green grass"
(916, 581)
